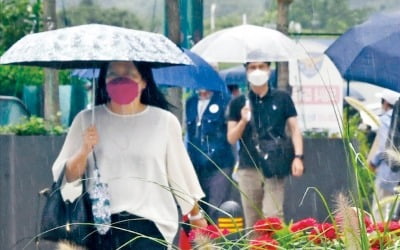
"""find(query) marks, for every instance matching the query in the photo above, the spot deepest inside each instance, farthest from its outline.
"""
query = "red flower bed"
(271, 233)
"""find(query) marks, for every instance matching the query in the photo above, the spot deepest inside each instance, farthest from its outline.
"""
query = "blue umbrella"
(86, 73)
(201, 75)
(234, 76)
(370, 52)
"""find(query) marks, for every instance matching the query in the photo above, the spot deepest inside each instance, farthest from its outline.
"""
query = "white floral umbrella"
(246, 43)
(91, 45)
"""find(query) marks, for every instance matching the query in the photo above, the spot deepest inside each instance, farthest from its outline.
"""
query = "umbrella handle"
(93, 96)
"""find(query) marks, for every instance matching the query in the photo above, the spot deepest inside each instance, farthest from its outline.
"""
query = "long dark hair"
(151, 95)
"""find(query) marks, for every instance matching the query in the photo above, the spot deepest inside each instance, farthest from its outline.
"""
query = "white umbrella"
(91, 45)
(246, 43)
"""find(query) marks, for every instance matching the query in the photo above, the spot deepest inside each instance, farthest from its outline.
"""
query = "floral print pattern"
(101, 210)
(91, 45)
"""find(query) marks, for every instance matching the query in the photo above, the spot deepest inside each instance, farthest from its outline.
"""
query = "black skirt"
(131, 232)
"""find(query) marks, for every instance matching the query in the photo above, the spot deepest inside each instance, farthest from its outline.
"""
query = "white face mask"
(258, 77)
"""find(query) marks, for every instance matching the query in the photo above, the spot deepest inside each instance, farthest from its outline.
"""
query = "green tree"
(18, 18)
(326, 15)
(88, 12)
(13, 78)
(223, 22)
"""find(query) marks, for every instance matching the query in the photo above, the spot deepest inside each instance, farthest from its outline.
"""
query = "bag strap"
(254, 132)
(61, 177)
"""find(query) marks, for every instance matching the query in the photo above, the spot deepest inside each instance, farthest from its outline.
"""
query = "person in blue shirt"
(386, 179)
(208, 148)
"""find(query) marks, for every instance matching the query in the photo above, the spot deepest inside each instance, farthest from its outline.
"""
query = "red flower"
(303, 224)
(314, 237)
(376, 242)
(268, 224)
(324, 231)
(264, 242)
(369, 224)
(367, 221)
(371, 228)
(391, 226)
(211, 231)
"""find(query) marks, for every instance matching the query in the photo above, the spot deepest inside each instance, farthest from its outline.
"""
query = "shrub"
(33, 126)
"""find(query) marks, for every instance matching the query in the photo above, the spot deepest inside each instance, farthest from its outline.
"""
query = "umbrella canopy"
(369, 52)
(90, 45)
(246, 43)
(86, 73)
(234, 76)
(200, 75)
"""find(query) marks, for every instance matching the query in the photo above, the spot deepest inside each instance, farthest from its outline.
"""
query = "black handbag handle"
(46, 191)
(61, 177)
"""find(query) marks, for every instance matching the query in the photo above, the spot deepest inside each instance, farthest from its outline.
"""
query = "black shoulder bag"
(274, 156)
(65, 220)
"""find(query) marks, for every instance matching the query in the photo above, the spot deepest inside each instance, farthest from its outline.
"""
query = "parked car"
(12, 110)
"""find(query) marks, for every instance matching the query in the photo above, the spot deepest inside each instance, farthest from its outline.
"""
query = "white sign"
(317, 90)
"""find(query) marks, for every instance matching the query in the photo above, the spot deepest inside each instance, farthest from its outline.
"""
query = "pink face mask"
(122, 90)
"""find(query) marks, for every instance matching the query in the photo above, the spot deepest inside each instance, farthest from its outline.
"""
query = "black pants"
(137, 226)
(217, 188)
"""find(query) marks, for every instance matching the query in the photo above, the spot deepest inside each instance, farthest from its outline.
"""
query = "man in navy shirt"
(208, 148)
(271, 110)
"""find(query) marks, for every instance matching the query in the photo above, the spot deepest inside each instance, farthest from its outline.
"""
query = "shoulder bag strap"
(254, 133)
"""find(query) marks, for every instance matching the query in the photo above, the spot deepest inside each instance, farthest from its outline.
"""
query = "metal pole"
(212, 16)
